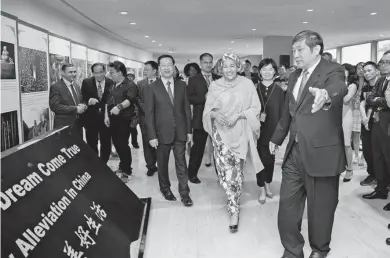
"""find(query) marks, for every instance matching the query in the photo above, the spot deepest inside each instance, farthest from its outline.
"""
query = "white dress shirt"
(298, 83)
(68, 83)
(103, 83)
(387, 92)
(166, 85)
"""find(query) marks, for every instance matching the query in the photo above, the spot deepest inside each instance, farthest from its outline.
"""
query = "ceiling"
(188, 28)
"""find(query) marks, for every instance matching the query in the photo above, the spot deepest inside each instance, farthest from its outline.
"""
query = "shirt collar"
(151, 79)
(68, 83)
(206, 74)
(164, 80)
(311, 69)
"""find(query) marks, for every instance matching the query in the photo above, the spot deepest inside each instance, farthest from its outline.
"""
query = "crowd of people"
(240, 117)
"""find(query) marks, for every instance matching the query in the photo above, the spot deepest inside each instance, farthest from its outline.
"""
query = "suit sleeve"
(283, 125)
(139, 100)
(55, 103)
(132, 92)
(193, 97)
(84, 92)
(335, 85)
(374, 100)
(149, 112)
(187, 109)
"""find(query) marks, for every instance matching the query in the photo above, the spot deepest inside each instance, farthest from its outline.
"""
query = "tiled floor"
(202, 231)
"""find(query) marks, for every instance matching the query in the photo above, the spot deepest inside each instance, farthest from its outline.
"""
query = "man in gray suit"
(65, 100)
(315, 156)
(168, 123)
(150, 73)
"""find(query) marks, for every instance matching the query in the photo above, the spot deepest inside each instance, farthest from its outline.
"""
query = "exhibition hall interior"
(195, 129)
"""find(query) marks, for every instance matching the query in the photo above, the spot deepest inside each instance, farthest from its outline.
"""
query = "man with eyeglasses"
(95, 91)
(380, 131)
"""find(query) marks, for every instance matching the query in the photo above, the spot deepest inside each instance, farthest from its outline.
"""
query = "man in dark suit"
(197, 89)
(168, 123)
(313, 115)
(95, 92)
(380, 131)
(150, 73)
(65, 100)
(248, 74)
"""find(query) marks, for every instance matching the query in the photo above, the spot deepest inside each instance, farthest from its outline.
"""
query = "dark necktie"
(170, 91)
(385, 85)
(305, 77)
(75, 96)
(207, 77)
(100, 90)
(150, 81)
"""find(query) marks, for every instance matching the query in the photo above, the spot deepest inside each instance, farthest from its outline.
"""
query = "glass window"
(383, 46)
(333, 52)
(355, 54)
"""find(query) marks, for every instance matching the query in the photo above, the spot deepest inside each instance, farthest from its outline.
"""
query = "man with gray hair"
(313, 117)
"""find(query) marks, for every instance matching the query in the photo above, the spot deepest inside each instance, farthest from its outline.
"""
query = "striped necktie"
(170, 91)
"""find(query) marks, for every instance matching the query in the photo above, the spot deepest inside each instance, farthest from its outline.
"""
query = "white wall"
(38, 14)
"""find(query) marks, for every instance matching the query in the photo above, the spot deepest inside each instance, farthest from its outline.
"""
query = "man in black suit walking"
(168, 123)
(380, 131)
(95, 92)
(313, 115)
(197, 89)
(65, 100)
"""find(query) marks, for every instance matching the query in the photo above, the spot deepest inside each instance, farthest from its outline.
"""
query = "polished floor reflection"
(202, 231)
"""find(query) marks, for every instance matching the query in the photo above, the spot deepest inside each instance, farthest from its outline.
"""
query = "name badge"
(262, 117)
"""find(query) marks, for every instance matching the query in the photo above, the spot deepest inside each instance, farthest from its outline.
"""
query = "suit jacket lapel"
(67, 90)
(176, 91)
(313, 79)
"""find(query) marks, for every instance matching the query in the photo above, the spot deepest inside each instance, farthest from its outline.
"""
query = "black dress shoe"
(388, 241)
(388, 226)
(187, 201)
(315, 254)
(234, 228)
(168, 195)
(135, 145)
(195, 180)
(151, 172)
(387, 207)
(369, 180)
(208, 165)
(376, 195)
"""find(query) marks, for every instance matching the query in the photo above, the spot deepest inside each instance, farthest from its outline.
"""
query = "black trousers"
(268, 160)
(134, 135)
(150, 153)
(381, 156)
(94, 131)
(322, 199)
(120, 133)
(163, 152)
(197, 151)
(367, 151)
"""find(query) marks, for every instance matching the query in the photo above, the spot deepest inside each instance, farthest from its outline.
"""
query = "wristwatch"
(120, 106)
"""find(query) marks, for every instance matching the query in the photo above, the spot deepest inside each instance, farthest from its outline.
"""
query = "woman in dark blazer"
(272, 101)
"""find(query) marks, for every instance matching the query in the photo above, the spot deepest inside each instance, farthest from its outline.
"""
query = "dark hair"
(280, 66)
(370, 63)
(267, 61)
(386, 53)
(67, 65)
(312, 39)
(98, 64)
(165, 56)
(327, 54)
(153, 64)
(110, 64)
(248, 62)
(205, 54)
(193, 65)
(352, 75)
(254, 66)
(120, 67)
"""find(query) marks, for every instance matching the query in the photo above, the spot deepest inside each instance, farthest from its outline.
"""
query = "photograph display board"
(59, 53)
(33, 46)
(79, 60)
(9, 86)
(93, 57)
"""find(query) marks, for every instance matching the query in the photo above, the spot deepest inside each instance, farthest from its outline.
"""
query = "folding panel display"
(9, 88)
(79, 60)
(33, 66)
(93, 57)
(140, 70)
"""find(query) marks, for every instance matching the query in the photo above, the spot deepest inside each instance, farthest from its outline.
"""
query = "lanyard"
(261, 96)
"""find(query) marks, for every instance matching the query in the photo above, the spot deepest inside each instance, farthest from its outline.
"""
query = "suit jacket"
(380, 105)
(164, 119)
(141, 97)
(88, 91)
(320, 134)
(63, 105)
(196, 93)
(254, 77)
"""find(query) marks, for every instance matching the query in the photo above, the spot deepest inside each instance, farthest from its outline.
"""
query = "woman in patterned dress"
(232, 119)
(357, 118)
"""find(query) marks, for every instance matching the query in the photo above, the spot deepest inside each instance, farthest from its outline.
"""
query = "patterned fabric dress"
(229, 169)
(357, 118)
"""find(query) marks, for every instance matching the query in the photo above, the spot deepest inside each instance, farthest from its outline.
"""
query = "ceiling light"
(230, 48)
(153, 41)
(133, 23)
(310, 10)
(160, 45)
(381, 35)
(305, 22)
(253, 29)
(232, 41)
(146, 36)
(123, 13)
(373, 13)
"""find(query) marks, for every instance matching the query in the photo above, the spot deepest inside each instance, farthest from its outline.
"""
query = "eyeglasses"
(384, 62)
